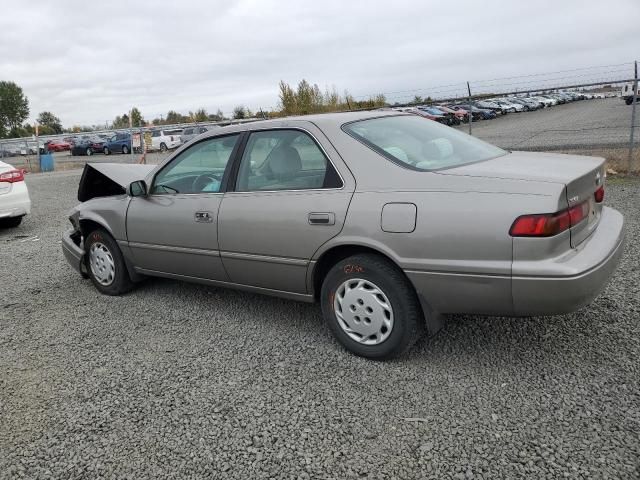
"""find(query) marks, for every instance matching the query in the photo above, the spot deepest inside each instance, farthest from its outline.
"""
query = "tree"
(136, 118)
(174, 117)
(199, 115)
(121, 121)
(14, 107)
(49, 122)
(217, 117)
(287, 99)
(239, 112)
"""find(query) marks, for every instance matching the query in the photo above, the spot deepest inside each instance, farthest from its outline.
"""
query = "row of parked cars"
(105, 143)
(486, 109)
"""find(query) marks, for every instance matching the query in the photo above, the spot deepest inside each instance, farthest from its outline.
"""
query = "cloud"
(87, 61)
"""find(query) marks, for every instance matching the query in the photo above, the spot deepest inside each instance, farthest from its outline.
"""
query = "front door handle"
(322, 218)
(203, 217)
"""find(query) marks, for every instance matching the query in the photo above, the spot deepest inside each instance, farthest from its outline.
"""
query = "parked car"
(190, 133)
(31, 148)
(14, 196)
(88, 146)
(489, 105)
(119, 143)
(478, 113)
(58, 146)
(527, 105)
(508, 106)
(164, 140)
(448, 118)
(440, 223)
(626, 93)
(461, 115)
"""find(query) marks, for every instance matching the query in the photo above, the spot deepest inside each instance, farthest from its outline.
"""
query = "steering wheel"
(203, 180)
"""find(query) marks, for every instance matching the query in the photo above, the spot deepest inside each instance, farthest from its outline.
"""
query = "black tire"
(163, 147)
(106, 151)
(125, 149)
(89, 152)
(121, 282)
(408, 319)
(11, 222)
(629, 100)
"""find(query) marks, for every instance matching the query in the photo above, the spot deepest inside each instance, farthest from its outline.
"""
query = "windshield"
(420, 144)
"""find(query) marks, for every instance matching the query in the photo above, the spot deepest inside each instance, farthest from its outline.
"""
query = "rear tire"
(89, 152)
(371, 307)
(11, 222)
(105, 264)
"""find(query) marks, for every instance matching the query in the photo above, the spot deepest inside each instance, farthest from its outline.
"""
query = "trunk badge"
(573, 200)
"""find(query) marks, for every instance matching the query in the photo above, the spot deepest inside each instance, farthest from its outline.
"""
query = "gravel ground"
(182, 381)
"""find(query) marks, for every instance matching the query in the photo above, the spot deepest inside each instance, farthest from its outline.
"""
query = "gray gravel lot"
(585, 123)
(182, 381)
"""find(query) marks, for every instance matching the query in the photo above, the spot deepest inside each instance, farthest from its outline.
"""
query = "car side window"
(188, 131)
(155, 133)
(198, 169)
(284, 160)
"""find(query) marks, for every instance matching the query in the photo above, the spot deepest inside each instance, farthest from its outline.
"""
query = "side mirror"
(137, 189)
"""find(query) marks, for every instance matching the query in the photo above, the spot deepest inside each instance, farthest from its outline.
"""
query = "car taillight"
(599, 194)
(549, 224)
(12, 176)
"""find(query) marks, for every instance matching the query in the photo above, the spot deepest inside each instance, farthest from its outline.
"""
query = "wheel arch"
(329, 256)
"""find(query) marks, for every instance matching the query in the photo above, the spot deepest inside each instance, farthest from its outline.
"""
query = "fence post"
(470, 109)
(633, 116)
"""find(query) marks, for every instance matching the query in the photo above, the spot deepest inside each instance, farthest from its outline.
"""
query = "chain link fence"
(588, 111)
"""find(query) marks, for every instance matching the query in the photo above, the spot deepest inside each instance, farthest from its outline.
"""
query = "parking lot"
(588, 123)
(178, 380)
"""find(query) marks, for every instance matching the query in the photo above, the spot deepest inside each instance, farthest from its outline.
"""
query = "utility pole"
(131, 132)
(470, 109)
(633, 115)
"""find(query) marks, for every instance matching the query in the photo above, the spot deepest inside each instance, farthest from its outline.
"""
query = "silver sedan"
(388, 220)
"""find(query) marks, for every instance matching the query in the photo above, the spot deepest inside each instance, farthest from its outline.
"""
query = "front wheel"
(89, 152)
(105, 264)
(125, 149)
(105, 150)
(163, 147)
(371, 307)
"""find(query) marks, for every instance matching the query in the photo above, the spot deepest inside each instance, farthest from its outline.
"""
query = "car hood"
(107, 179)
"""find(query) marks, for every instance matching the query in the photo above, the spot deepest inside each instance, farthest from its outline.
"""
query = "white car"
(14, 196)
(509, 106)
(164, 140)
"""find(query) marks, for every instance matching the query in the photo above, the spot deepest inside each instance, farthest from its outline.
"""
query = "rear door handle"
(322, 218)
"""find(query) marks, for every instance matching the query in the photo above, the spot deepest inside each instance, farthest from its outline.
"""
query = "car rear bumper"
(567, 283)
(72, 252)
(16, 202)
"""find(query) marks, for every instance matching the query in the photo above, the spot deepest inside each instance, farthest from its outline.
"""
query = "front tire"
(105, 264)
(125, 149)
(89, 152)
(163, 147)
(105, 150)
(371, 307)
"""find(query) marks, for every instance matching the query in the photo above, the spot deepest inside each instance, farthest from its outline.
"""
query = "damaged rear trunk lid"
(108, 179)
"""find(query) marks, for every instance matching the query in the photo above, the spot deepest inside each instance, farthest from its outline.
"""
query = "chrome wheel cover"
(101, 263)
(363, 311)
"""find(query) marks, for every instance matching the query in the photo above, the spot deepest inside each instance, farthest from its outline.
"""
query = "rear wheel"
(163, 147)
(105, 264)
(125, 149)
(11, 222)
(89, 152)
(371, 307)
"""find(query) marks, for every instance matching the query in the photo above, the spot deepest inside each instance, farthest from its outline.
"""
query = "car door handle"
(203, 217)
(322, 218)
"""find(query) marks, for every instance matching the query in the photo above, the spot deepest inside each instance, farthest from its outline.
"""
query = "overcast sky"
(90, 61)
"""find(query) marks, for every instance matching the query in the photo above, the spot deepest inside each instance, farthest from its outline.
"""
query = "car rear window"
(419, 143)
